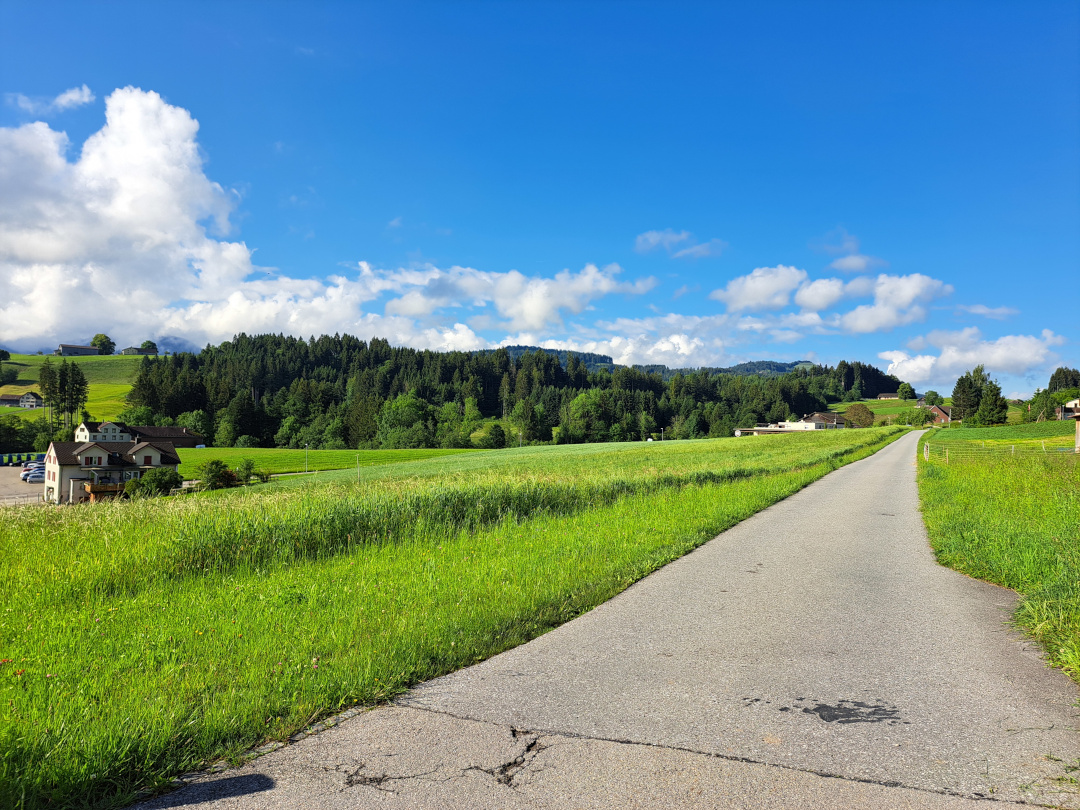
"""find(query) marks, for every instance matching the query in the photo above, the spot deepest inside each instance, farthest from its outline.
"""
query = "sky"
(692, 184)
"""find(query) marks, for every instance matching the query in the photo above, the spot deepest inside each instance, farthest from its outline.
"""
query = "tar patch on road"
(843, 711)
(850, 711)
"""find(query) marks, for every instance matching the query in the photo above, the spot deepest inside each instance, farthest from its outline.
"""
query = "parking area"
(13, 490)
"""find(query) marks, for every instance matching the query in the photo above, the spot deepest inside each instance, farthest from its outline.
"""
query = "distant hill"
(598, 362)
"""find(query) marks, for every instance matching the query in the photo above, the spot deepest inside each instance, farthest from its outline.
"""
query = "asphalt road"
(813, 656)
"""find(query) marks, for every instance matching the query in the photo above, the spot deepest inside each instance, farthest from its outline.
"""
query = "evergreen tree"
(993, 409)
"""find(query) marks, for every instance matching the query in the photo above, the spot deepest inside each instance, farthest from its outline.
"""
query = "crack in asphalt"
(536, 746)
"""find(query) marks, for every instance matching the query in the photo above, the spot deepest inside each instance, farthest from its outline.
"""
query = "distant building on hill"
(137, 350)
(893, 395)
(812, 421)
(75, 350)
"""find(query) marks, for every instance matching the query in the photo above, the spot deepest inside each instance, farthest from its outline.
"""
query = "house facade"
(137, 350)
(893, 395)
(75, 350)
(90, 471)
(942, 414)
(121, 432)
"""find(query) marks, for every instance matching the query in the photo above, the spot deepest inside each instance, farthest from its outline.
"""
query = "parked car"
(33, 464)
(32, 471)
(36, 477)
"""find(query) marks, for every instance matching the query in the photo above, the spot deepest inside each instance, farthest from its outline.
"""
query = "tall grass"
(141, 640)
(1014, 521)
(283, 460)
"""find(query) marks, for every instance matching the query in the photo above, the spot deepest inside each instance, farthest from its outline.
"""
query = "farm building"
(90, 471)
(942, 414)
(893, 395)
(29, 400)
(75, 350)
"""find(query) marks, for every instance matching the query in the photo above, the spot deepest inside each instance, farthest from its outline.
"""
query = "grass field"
(110, 378)
(1014, 521)
(290, 461)
(884, 408)
(140, 640)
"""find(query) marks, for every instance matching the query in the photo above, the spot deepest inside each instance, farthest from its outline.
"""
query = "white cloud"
(963, 350)
(898, 300)
(128, 239)
(667, 239)
(75, 97)
(396, 222)
(996, 313)
(855, 263)
(764, 288)
(714, 247)
(820, 294)
(840, 241)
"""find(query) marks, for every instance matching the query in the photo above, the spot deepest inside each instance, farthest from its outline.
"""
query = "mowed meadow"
(144, 639)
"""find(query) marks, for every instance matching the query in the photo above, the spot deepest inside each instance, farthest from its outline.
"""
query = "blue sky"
(679, 183)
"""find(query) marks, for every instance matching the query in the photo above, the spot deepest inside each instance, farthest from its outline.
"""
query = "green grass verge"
(143, 639)
(1014, 521)
(290, 461)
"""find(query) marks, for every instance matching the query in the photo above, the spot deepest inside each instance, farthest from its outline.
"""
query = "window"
(148, 461)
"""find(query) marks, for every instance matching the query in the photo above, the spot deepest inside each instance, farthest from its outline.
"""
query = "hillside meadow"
(144, 639)
(110, 378)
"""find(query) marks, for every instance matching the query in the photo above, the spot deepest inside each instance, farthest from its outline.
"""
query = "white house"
(89, 471)
(121, 432)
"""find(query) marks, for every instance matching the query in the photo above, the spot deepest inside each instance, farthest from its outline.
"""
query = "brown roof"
(121, 454)
(827, 418)
(10, 398)
(163, 432)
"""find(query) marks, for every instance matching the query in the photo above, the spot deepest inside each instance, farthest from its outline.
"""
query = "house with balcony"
(93, 470)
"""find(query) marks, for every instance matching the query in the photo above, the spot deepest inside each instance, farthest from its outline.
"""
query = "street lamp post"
(661, 434)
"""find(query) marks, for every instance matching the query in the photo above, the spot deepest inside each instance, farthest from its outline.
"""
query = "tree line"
(337, 392)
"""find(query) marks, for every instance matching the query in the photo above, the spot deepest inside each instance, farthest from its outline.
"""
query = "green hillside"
(110, 378)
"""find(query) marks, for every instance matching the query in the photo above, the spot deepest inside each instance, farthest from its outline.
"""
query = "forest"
(341, 392)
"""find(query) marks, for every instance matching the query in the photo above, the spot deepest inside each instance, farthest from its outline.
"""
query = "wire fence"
(20, 500)
(973, 450)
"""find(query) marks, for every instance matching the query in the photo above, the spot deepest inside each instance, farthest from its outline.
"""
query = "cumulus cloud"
(898, 300)
(75, 97)
(820, 294)
(995, 313)
(131, 238)
(962, 350)
(764, 288)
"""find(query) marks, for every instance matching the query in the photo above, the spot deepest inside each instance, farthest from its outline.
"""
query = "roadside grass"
(289, 461)
(140, 640)
(1014, 521)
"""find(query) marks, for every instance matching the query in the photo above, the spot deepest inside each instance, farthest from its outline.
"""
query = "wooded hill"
(343, 392)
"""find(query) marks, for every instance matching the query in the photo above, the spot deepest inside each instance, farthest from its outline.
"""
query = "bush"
(159, 481)
(213, 474)
(859, 415)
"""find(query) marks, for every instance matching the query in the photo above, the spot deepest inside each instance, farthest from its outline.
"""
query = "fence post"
(946, 455)
(926, 451)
